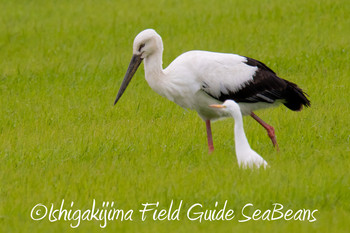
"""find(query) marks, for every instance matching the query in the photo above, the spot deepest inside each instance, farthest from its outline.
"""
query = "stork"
(197, 79)
(246, 156)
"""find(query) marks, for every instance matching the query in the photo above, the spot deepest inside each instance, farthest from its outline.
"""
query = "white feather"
(246, 156)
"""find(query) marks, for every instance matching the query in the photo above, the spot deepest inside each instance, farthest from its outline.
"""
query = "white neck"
(153, 64)
(241, 142)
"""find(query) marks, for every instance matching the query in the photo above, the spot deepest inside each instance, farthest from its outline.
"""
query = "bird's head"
(228, 106)
(145, 44)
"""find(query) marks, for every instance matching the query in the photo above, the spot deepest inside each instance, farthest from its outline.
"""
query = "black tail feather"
(295, 97)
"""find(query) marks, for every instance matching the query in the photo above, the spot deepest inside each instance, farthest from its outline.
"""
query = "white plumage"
(197, 79)
(200, 72)
(246, 156)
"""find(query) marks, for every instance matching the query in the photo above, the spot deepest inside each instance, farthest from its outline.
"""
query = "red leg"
(209, 136)
(270, 130)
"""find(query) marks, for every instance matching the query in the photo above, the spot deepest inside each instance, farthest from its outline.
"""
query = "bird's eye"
(141, 46)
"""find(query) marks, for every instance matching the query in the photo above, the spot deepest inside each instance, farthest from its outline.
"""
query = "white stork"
(246, 157)
(197, 79)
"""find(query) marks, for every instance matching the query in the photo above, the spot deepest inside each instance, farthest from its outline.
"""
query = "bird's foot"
(272, 136)
(275, 144)
(210, 149)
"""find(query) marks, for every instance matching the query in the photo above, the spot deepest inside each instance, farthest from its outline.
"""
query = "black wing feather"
(266, 87)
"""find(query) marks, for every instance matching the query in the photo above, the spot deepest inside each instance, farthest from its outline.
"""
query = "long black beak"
(134, 64)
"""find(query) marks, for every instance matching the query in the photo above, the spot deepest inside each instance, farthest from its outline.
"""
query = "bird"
(246, 157)
(197, 79)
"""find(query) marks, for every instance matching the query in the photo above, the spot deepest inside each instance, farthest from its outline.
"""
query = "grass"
(61, 137)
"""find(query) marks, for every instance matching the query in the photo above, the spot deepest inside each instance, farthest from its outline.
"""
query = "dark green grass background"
(61, 137)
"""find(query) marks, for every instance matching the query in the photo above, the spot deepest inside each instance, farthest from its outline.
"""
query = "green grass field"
(61, 137)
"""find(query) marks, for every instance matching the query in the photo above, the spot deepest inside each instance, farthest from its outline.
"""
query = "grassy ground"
(61, 137)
